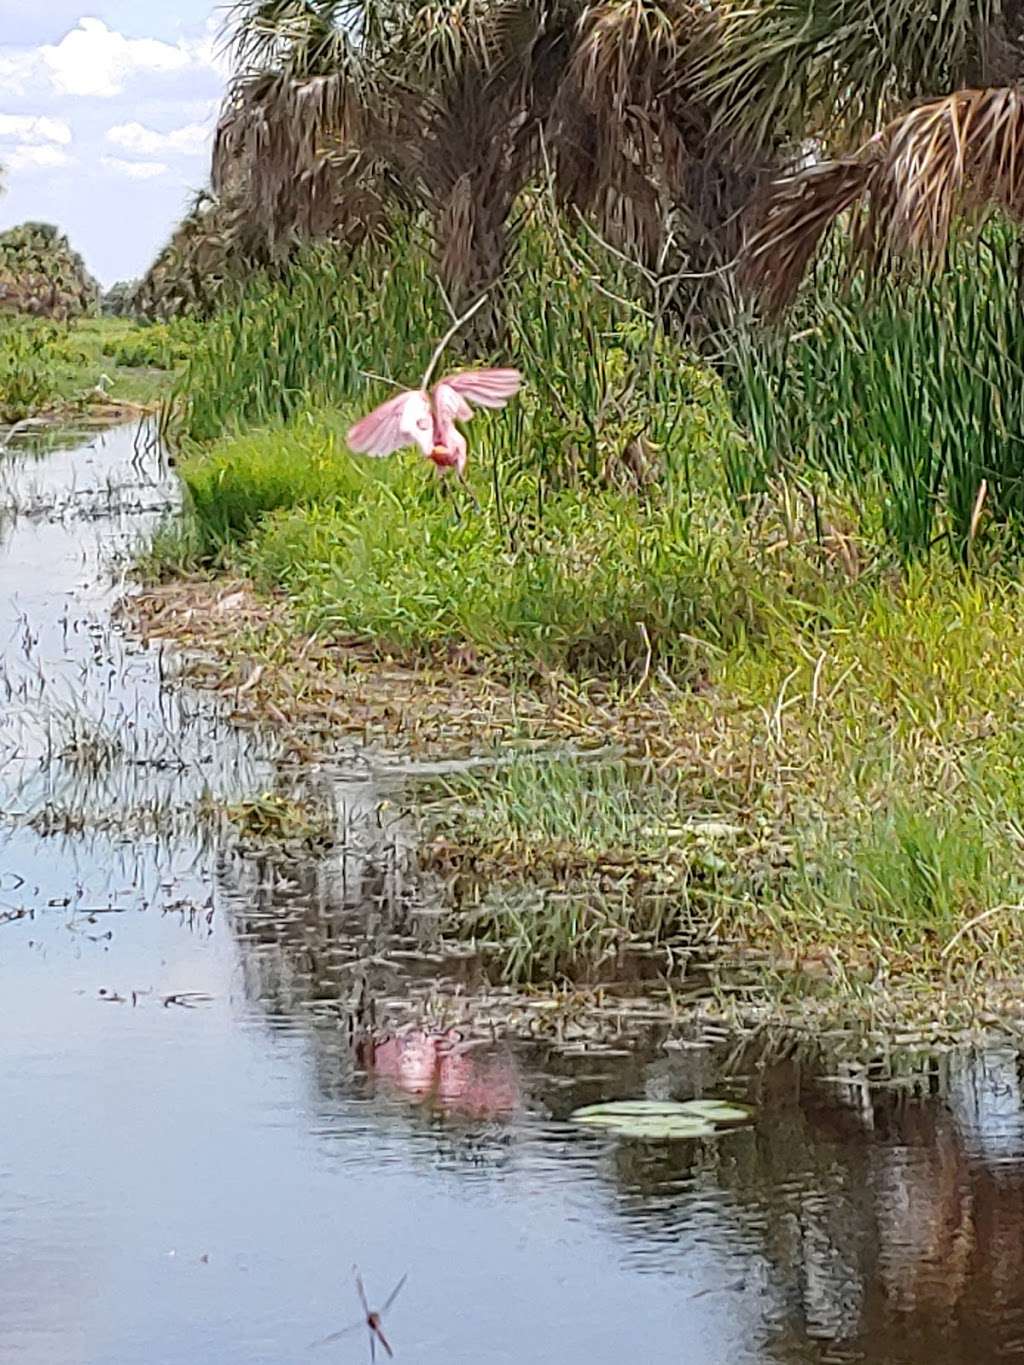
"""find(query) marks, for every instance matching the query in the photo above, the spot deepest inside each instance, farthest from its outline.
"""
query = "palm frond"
(624, 127)
(794, 216)
(961, 155)
(782, 69)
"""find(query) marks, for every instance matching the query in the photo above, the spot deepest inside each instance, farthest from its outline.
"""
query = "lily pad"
(665, 1120)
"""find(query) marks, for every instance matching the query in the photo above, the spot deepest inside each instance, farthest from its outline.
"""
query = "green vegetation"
(51, 367)
(852, 793)
(775, 566)
(910, 401)
(818, 711)
(41, 276)
(567, 562)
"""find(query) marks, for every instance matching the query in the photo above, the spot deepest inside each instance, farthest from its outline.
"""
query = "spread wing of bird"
(404, 420)
(486, 388)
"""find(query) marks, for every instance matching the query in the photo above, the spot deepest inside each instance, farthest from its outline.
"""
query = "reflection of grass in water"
(155, 817)
(272, 820)
(618, 856)
(85, 744)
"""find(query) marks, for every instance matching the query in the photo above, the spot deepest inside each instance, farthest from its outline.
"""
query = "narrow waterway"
(193, 1156)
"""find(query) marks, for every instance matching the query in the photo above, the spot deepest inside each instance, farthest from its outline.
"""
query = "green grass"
(566, 564)
(47, 365)
(910, 401)
(597, 374)
(855, 793)
(831, 708)
(599, 583)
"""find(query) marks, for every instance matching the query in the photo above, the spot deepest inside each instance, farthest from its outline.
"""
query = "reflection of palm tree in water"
(951, 1219)
(911, 1237)
(924, 1206)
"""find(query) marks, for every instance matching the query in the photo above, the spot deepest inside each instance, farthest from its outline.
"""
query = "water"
(192, 1155)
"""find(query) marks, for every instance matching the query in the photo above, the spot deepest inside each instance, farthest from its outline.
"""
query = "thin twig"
(647, 662)
(652, 278)
(973, 924)
(459, 322)
(447, 301)
(979, 503)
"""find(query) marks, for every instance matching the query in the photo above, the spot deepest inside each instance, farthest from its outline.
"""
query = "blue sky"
(106, 114)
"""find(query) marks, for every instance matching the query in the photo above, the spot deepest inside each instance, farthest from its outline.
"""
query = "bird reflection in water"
(441, 1067)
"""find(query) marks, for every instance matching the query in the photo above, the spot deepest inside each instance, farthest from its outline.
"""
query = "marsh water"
(193, 1154)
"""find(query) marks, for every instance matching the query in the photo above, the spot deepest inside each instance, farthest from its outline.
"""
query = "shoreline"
(317, 699)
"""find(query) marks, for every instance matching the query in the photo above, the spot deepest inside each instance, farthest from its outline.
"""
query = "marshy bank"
(89, 371)
(803, 671)
(228, 1068)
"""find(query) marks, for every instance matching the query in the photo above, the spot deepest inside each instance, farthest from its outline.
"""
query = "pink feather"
(416, 418)
(404, 420)
(487, 388)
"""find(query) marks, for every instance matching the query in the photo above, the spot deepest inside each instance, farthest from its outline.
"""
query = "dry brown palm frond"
(468, 150)
(630, 52)
(624, 128)
(303, 87)
(961, 155)
(953, 155)
(274, 130)
(466, 135)
(796, 213)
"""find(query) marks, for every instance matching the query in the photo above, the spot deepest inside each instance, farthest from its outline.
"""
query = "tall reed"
(909, 397)
(331, 333)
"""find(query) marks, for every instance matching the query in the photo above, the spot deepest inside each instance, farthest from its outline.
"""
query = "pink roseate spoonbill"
(371, 1319)
(426, 417)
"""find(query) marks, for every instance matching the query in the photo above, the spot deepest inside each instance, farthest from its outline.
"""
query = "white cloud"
(28, 158)
(192, 140)
(35, 130)
(19, 71)
(135, 170)
(95, 60)
(211, 50)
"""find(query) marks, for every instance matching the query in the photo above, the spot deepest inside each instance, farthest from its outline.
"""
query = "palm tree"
(293, 128)
(661, 121)
(833, 77)
(338, 106)
(638, 141)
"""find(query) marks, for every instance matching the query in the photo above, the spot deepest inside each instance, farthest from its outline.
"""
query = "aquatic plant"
(664, 1120)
